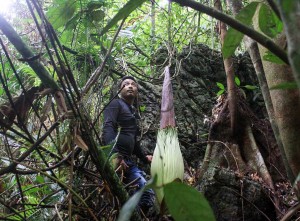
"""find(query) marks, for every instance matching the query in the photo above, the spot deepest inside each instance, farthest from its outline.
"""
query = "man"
(120, 126)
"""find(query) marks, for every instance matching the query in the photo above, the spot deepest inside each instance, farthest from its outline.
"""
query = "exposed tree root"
(254, 158)
(241, 153)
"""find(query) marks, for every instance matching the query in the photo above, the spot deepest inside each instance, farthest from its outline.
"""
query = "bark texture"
(286, 105)
(252, 48)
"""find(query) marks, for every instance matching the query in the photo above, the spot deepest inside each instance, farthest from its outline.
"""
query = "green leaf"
(186, 203)
(220, 92)
(237, 81)
(123, 13)
(269, 56)
(142, 108)
(233, 37)
(112, 159)
(107, 148)
(93, 5)
(97, 15)
(40, 179)
(250, 87)
(128, 208)
(285, 86)
(268, 21)
(220, 85)
(60, 13)
(73, 22)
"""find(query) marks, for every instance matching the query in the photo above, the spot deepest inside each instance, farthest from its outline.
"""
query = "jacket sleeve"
(140, 153)
(110, 125)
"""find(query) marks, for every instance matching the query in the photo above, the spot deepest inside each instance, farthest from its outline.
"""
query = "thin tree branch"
(63, 185)
(260, 38)
(99, 70)
(27, 54)
(13, 165)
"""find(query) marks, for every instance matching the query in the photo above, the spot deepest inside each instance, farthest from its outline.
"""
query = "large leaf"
(73, 22)
(233, 37)
(186, 203)
(123, 13)
(62, 12)
(128, 208)
(268, 22)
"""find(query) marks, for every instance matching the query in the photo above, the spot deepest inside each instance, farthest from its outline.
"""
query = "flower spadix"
(167, 162)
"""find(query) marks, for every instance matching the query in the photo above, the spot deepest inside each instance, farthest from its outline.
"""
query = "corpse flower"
(167, 162)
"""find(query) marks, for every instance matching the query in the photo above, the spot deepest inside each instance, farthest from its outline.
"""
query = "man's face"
(130, 89)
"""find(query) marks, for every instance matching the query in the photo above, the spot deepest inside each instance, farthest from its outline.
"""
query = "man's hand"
(149, 158)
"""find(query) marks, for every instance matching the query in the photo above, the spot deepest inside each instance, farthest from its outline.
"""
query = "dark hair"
(124, 78)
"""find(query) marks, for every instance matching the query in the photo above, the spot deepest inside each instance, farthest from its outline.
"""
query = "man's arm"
(110, 126)
(140, 153)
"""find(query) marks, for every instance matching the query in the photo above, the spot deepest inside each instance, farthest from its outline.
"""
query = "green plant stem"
(260, 38)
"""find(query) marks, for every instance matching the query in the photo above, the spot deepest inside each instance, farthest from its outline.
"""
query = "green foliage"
(268, 21)
(250, 87)
(122, 13)
(237, 81)
(28, 76)
(107, 148)
(62, 12)
(142, 108)
(222, 88)
(233, 37)
(94, 5)
(40, 179)
(182, 201)
(186, 203)
(269, 56)
(79, 25)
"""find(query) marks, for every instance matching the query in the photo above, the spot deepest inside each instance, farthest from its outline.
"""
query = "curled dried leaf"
(60, 102)
(80, 143)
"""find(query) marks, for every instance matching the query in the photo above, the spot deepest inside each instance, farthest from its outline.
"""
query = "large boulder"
(235, 198)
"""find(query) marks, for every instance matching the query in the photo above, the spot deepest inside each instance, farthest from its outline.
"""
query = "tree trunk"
(286, 105)
(289, 11)
(252, 48)
(231, 87)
